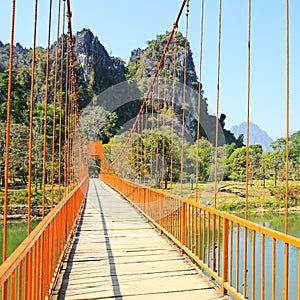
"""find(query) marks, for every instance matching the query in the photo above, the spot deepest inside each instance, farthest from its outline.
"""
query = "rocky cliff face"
(142, 67)
(96, 69)
(20, 56)
(99, 68)
(143, 62)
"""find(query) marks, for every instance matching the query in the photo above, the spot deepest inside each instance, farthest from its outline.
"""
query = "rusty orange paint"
(286, 272)
(178, 224)
(95, 149)
(34, 250)
(225, 255)
(253, 263)
(273, 268)
(263, 267)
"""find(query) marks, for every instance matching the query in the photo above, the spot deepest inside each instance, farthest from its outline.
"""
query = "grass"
(260, 198)
(19, 195)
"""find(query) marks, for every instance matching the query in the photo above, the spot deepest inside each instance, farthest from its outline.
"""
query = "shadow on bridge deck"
(116, 254)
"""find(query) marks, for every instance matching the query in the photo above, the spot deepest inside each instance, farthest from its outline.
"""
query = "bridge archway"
(95, 156)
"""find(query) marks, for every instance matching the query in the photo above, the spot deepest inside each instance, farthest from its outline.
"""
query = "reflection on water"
(277, 222)
(16, 233)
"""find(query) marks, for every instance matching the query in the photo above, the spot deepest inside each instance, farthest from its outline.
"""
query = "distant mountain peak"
(257, 135)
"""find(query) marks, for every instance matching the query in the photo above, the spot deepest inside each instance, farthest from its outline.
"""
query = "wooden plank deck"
(116, 254)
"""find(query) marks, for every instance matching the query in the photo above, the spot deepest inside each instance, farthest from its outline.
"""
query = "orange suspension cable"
(72, 56)
(72, 129)
(153, 131)
(45, 114)
(139, 151)
(145, 146)
(173, 108)
(31, 116)
(247, 151)
(66, 120)
(163, 126)
(73, 85)
(28, 270)
(54, 108)
(217, 107)
(175, 26)
(164, 177)
(70, 139)
(142, 142)
(198, 140)
(142, 147)
(7, 138)
(248, 110)
(75, 119)
(184, 98)
(217, 138)
(152, 134)
(73, 105)
(135, 152)
(199, 101)
(180, 12)
(61, 103)
(287, 118)
(157, 134)
(70, 115)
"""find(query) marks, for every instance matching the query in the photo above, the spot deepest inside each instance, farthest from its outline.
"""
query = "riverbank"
(266, 211)
(19, 212)
(256, 205)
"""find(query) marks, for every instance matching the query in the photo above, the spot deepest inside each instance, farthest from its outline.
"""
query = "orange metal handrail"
(43, 249)
(191, 227)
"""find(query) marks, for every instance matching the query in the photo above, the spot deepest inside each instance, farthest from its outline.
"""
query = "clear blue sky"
(125, 25)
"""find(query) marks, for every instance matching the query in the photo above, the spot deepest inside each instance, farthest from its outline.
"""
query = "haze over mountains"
(257, 135)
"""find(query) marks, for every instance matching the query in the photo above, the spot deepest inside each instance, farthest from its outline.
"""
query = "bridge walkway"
(116, 254)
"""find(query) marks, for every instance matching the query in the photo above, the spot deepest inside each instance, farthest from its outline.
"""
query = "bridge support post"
(161, 211)
(183, 216)
(225, 256)
(147, 201)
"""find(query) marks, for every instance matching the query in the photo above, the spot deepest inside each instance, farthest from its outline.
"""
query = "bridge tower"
(95, 156)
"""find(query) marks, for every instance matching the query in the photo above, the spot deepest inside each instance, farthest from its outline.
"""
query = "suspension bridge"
(130, 230)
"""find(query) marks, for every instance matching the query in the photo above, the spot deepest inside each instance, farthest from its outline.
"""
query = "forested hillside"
(97, 71)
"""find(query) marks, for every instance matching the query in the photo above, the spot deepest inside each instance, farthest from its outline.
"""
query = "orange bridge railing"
(242, 257)
(30, 271)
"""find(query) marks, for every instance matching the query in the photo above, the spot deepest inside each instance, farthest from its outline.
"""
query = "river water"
(17, 231)
(277, 222)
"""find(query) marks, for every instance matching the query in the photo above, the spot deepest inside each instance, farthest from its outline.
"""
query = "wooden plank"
(116, 254)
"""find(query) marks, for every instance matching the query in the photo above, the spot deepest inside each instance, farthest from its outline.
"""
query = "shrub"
(293, 194)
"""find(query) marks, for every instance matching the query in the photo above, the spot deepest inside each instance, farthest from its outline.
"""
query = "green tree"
(150, 151)
(38, 140)
(279, 144)
(279, 157)
(19, 106)
(294, 155)
(237, 163)
(205, 155)
(255, 154)
(98, 124)
(18, 158)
